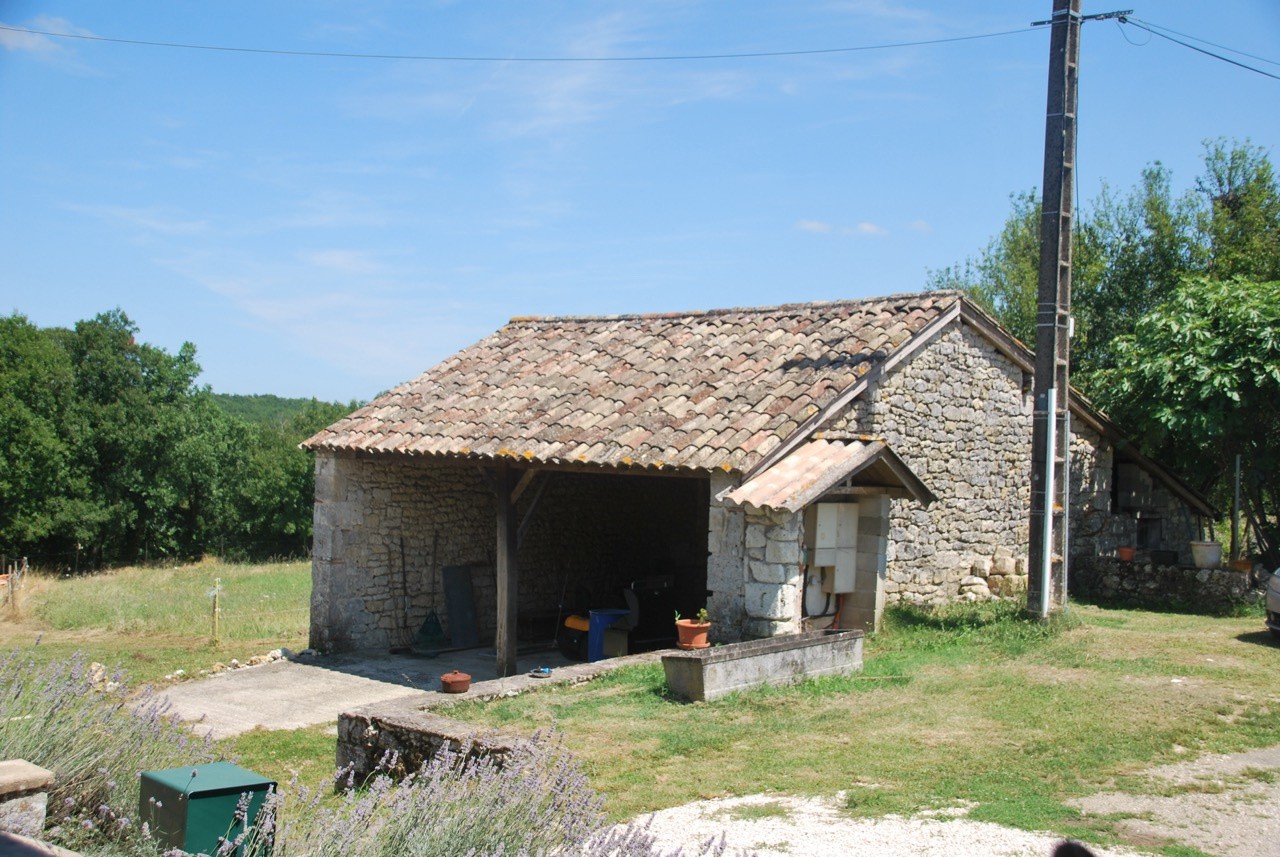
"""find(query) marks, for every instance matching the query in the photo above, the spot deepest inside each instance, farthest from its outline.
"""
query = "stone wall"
(958, 413)
(726, 564)
(385, 526)
(772, 591)
(1143, 584)
(1098, 528)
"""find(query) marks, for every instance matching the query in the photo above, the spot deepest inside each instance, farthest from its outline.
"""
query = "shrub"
(534, 801)
(94, 735)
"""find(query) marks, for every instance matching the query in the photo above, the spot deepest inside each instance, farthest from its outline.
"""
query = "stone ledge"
(411, 728)
(20, 777)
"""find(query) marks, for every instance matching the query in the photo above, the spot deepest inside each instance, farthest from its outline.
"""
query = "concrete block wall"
(864, 607)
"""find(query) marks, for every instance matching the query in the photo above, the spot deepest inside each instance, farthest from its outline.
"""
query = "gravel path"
(1224, 805)
(816, 827)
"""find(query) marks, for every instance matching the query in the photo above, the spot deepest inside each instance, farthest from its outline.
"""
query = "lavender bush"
(536, 801)
(95, 736)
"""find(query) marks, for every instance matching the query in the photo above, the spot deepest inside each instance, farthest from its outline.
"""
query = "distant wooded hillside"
(266, 409)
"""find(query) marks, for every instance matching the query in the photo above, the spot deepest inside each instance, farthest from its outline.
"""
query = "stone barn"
(783, 467)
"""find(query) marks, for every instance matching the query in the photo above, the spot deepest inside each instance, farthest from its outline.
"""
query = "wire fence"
(12, 580)
(239, 620)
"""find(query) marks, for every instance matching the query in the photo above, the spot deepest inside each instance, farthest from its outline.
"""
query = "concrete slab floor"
(291, 694)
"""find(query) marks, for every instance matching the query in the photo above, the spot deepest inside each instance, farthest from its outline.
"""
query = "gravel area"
(1223, 805)
(816, 827)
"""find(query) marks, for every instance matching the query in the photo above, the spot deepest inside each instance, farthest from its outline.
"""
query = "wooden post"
(217, 611)
(504, 487)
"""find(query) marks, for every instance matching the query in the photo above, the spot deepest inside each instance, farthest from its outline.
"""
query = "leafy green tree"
(44, 494)
(109, 444)
(1130, 252)
(1198, 382)
(1241, 212)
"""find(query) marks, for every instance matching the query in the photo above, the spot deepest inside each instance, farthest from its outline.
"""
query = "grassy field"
(970, 705)
(152, 621)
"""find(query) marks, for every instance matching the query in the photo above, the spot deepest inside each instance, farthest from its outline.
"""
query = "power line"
(1207, 42)
(1142, 25)
(482, 59)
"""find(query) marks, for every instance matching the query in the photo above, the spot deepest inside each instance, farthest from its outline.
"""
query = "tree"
(109, 444)
(1130, 252)
(1198, 382)
(44, 493)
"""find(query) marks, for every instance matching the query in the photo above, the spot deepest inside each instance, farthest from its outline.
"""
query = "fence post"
(217, 590)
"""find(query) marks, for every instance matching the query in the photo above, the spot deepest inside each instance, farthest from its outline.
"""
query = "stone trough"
(704, 674)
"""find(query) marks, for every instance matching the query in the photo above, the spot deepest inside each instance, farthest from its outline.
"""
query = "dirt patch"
(1222, 804)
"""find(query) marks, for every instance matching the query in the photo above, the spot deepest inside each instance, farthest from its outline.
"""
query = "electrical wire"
(1207, 42)
(497, 59)
(1143, 26)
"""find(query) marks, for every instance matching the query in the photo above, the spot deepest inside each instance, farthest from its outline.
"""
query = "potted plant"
(1125, 554)
(692, 633)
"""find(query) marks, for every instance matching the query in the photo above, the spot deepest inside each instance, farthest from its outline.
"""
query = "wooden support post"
(505, 643)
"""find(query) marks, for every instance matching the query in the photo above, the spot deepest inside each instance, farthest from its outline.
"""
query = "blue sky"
(333, 226)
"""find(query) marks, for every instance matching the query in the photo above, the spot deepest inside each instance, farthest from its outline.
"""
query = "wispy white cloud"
(921, 226)
(885, 10)
(824, 228)
(36, 43)
(48, 49)
(148, 219)
(354, 262)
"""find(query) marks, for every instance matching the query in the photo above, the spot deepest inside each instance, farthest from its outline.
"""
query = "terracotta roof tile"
(695, 390)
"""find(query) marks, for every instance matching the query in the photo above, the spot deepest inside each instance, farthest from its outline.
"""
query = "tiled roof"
(818, 465)
(701, 390)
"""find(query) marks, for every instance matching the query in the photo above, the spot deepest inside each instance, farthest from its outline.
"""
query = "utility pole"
(1050, 434)
(1051, 426)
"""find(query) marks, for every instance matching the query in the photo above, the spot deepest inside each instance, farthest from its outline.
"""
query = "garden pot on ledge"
(455, 681)
(1125, 554)
(692, 634)
(1206, 554)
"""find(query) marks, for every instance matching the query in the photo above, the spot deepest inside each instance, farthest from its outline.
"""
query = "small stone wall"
(24, 797)
(1142, 584)
(411, 729)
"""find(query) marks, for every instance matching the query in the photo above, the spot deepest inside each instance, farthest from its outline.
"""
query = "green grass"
(152, 621)
(971, 703)
(967, 704)
(302, 755)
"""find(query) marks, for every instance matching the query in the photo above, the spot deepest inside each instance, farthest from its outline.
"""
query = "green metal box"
(195, 808)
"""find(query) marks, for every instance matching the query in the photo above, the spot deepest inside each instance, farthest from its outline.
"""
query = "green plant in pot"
(692, 633)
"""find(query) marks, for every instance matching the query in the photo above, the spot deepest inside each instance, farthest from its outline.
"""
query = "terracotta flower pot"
(692, 634)
(455, 682)
(1125, 554)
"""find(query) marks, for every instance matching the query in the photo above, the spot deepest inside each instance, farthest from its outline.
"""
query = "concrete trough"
(703, 674)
